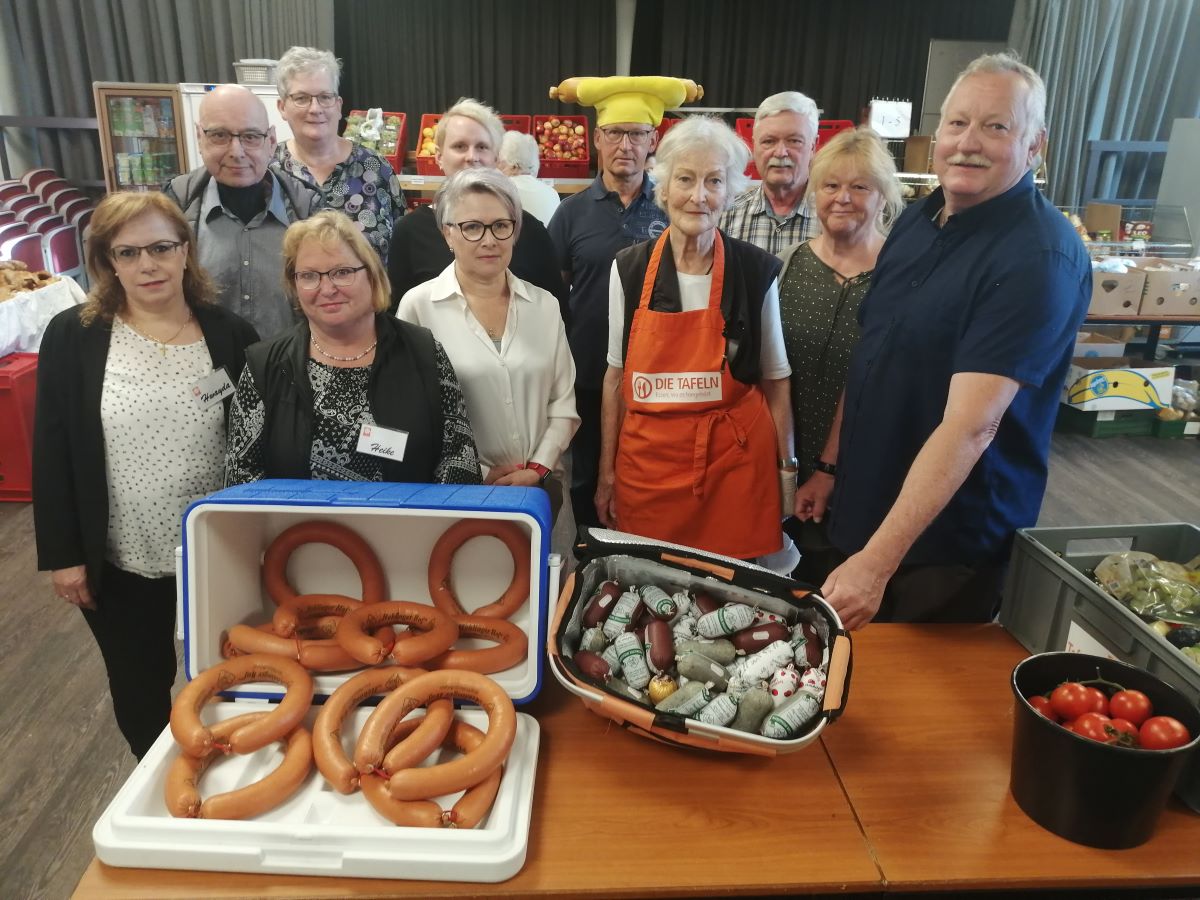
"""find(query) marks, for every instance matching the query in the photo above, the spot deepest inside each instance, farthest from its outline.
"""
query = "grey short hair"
(521, 151)
(1000, 64)
(477, 180)
(862, 149)
(303, 60)
(790, 101)
(698, 134)
(471, 109)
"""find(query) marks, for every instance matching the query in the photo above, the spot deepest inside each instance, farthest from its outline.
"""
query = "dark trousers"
(585, 456)
(134, 626)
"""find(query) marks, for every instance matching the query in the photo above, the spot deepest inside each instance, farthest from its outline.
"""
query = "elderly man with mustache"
(967, 331)
(775, 213)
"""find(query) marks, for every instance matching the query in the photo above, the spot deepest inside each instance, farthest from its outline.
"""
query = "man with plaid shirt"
(775, 214)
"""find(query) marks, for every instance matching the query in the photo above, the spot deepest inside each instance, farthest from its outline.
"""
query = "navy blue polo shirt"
(1000, 289)
(587, 230)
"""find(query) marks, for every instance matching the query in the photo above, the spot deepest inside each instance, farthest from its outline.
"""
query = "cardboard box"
(1088, 344)
(1116, 294)
(1103, 217)
(1169, 293)
(1097, 383)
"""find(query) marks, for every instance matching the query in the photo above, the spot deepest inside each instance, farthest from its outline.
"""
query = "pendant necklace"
(329, 355)
(162, 345)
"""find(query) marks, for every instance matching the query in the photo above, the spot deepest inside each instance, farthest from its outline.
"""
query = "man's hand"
(71, 585)
(855, 589)
(812, 497)
(495, 473)
(520, 478)
(606, 506)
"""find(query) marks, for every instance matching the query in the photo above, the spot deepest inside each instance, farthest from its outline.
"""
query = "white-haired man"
(967, 332)
(519, 161)
(775, 214)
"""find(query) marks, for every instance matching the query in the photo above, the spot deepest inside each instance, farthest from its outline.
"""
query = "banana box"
(1098, 383)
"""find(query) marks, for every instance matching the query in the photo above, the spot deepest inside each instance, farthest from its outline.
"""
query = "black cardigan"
(70, 484)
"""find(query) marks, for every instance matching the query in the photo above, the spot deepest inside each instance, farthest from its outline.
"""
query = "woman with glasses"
(504, 336)
(350, 177)
(468, 136)
(351, 393)
(133, 391)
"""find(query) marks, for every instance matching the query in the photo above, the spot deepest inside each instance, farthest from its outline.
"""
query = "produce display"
(375, 130)
(1165, 593)
(1104, 711)
(562, 139)
(692, 655)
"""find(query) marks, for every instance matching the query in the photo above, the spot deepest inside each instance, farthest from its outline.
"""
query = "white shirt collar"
(445, 286)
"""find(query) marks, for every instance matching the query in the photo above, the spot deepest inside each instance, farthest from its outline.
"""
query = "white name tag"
(676, 387)
(386, 442)
(212, 388)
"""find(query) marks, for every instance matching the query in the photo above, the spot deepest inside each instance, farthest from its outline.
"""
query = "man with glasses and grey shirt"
(774, 214)
(240, 207)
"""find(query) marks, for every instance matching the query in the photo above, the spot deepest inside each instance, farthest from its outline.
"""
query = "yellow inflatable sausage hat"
(623, 98)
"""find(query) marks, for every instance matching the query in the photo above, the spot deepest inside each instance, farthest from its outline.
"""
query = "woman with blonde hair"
(350, 393)
(133, 392)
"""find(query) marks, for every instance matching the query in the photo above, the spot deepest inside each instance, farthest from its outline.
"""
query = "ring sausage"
(289, 613)
(513, 537)
(195, 737)
(511, 645)
(324, 655)
(357, 550)
(182, 792)
(327, 729)
(471, 807)
(439, 632)
(459, 774)
(317, 629)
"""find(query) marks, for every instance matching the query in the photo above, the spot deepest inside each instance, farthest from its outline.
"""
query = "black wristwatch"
(821, 466)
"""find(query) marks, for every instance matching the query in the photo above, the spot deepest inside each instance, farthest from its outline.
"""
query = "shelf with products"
(140, 134)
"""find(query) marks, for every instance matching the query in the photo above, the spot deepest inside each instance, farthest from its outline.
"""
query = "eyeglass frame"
(636, 138)
(132, 261)
(251, 133)
(328, 273)
(486, 227)
(309, 98)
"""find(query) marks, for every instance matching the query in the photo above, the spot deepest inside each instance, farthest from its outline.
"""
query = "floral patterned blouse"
(363, 186)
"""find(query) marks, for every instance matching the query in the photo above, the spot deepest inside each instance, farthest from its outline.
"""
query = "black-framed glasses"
(220, 137)
(127, 255)
(637, 136)
(304, 101)
(342, 276)
(472, 230)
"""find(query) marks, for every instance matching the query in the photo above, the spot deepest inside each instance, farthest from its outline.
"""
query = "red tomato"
(1099, 700)
(1042, 705)
(1123, 726)
(1070, 700)
(1163, 733)
(1133, 706)
(1092, 725)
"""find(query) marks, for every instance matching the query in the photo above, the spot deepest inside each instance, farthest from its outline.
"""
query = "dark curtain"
(419, 57)
(842, 54)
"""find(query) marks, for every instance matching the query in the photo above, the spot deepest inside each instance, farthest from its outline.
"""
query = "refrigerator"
(192, 94)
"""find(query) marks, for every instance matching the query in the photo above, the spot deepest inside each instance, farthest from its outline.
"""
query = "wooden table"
(923, 753)
(617, 816)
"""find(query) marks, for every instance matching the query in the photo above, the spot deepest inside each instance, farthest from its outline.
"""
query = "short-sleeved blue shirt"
(587, 230)
(1000, 289)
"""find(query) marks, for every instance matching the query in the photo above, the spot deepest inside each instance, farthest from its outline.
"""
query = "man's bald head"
(229, 116)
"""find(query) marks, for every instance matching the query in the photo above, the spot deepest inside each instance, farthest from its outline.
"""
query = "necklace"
(328, 355)
(162, 345)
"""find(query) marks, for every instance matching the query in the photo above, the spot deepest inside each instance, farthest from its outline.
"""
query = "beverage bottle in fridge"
(123, 170)
(116, 117)
(166, 121)
(150, 118)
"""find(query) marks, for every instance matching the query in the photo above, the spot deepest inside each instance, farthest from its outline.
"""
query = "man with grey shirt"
(239, 207)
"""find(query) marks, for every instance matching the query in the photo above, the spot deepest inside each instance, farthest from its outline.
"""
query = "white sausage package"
(696, 649)
(368, 611)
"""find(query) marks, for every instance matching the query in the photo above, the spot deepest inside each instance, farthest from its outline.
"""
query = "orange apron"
(696, 455)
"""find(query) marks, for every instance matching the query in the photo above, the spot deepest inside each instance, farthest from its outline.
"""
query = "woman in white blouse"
(505, 337)
(132, 400)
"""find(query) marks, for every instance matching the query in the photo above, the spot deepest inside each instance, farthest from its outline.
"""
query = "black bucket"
(1091, 793)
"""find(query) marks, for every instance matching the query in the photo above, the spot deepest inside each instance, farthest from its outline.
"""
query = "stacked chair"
(43, 219)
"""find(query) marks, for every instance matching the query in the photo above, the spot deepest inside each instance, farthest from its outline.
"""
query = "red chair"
(11, 190)
(7, 217)
(27, 248)
(71, 208)
(53, 186)
(61, 198)
(34, 177)
(48, 224)
(31, 214)
(62, 252)
(21, 201)
(82, 220)
(13, 230)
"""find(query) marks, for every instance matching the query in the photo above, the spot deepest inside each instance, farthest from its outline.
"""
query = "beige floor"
(64, 759)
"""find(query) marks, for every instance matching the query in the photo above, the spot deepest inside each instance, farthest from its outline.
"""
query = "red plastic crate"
(563, 168)
(417, 202)
(18, 388)
(745, 130)
(517, 123)
(666, 125)
(827, 128)
(395, 160)
(427, 165)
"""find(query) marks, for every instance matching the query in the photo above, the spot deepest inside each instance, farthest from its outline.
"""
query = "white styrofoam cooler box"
(319, 831)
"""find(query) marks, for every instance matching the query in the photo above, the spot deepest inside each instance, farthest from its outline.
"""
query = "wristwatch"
(789, 462)
(821, 466)
(542, 471)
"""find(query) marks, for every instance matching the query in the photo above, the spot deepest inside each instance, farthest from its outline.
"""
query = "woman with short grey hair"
(352, 178)
(504, 336)
(696, 441)
(519, 160)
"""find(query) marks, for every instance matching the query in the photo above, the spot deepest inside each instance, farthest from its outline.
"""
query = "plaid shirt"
(752, 219)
